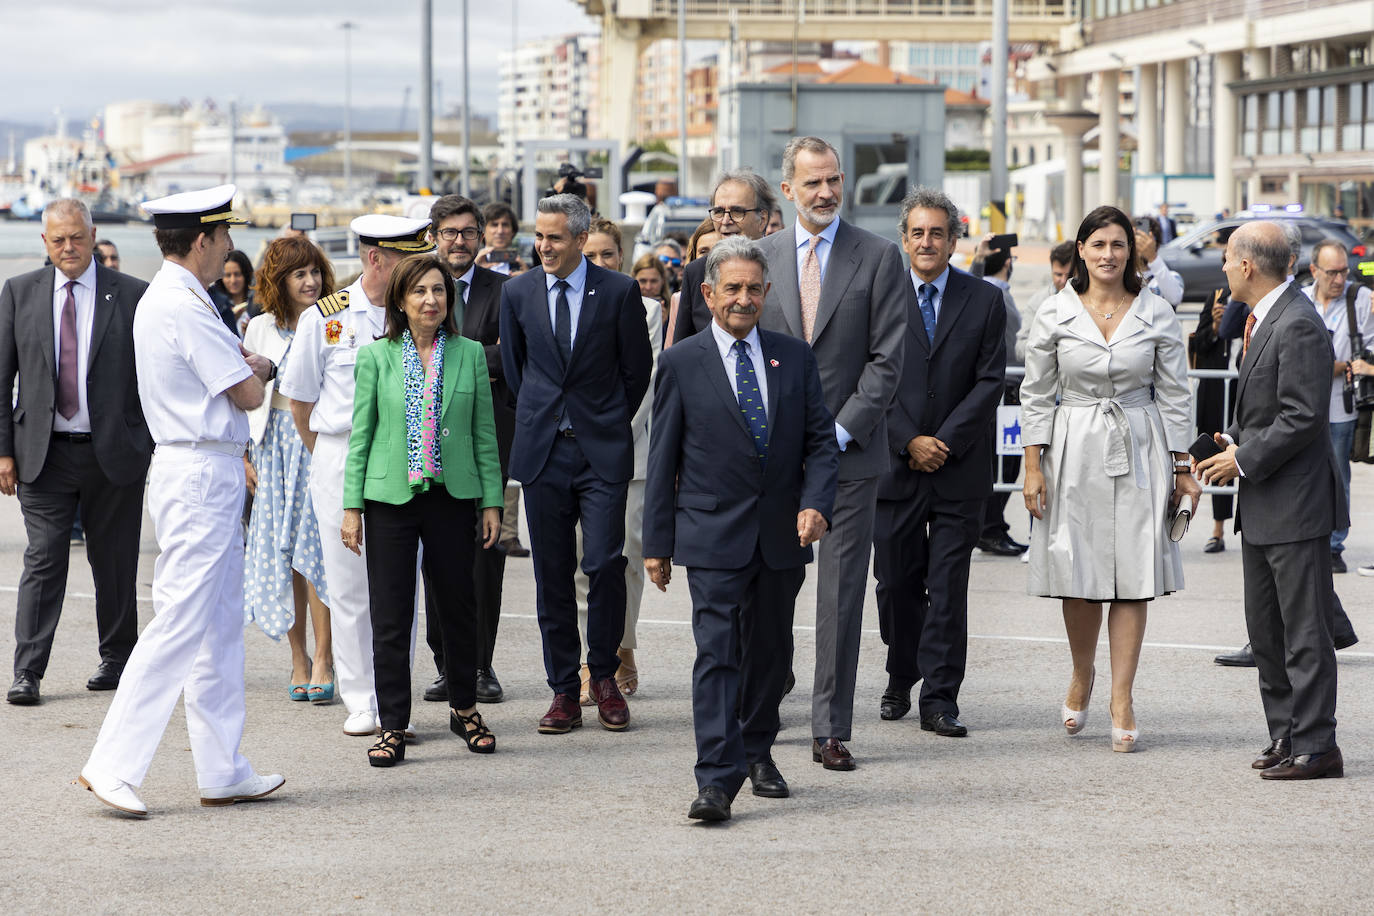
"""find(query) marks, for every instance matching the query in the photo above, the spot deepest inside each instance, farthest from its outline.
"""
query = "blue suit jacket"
(707, 501)
(600, 388)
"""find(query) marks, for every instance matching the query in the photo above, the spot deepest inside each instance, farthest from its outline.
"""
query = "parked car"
(1197, 256)
(675, 216)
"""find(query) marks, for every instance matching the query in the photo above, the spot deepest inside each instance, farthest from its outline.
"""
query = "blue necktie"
(750, 399)
(927, 301)
(562, 325)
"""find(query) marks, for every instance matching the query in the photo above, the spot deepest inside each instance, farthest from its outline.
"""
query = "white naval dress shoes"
(116, 793)
(253, 787)
(361, 724)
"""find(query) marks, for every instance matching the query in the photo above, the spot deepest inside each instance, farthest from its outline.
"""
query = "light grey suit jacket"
(1291, 489)
(858, 337)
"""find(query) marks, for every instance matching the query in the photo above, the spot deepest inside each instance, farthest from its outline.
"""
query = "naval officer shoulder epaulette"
(334, 303)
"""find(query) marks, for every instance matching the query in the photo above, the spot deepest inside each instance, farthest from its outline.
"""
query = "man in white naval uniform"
(319, 382)
(195, 382)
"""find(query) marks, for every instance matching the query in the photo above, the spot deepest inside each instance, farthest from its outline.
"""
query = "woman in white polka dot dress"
(284, 571)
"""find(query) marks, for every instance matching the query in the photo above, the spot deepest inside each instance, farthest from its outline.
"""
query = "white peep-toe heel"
(1079, 717)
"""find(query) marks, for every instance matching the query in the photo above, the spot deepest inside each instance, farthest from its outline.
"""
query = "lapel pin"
(773, 363)
(109, 296)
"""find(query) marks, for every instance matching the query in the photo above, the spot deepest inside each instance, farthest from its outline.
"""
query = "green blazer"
(377, 465)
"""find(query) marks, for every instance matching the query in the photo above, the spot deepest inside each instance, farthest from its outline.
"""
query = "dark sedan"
(1197, 256)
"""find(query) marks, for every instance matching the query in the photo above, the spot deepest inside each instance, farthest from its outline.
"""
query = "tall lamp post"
(467, 118)
(348, 28)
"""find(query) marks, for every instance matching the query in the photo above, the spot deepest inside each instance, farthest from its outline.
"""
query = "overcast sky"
(253, 50)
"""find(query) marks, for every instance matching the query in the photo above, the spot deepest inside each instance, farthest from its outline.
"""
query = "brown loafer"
(563, 716)
(832, 754)
(1328, 764)
(611, 709)
(1276, 753)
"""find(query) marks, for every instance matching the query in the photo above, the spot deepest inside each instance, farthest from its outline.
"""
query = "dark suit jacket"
(482, 323)
(707, 503)
(857, 339)
(950, 390)
(119, 434)
(1291, 489)
(693, 314)
(600, 388)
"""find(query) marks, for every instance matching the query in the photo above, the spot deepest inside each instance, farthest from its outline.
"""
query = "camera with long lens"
(1361, 387)
(569, 180)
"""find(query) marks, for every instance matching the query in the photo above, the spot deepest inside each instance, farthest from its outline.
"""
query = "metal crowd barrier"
(1227, 376)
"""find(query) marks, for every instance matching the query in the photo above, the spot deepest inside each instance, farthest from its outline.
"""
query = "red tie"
(1249, 326)
(68, 401)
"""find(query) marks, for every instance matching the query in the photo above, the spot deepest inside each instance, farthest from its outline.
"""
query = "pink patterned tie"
(68, 400)
(810, 288)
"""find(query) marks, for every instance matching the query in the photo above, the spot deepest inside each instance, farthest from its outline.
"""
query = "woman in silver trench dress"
(1100, 477)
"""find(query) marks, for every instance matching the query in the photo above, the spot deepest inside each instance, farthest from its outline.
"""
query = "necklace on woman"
(1106, 316)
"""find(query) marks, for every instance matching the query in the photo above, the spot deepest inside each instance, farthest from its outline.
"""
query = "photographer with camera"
(1154, 273)
(1345, 308)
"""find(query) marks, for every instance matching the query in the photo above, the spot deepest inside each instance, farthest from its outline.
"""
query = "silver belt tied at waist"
(233, 449)
(1120, 441)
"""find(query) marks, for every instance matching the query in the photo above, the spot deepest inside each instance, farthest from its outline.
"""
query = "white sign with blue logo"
(1009, 430)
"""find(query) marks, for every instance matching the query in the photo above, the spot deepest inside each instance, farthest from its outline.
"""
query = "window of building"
(1311, 119)
(1030, 155)
(1249, 124)
(1269, 134)
(1290, 116)
(1369, 115)
(1327, 129)
(1354, 117)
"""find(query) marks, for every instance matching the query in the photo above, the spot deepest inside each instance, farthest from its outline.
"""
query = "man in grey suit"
(1290, 500)
(844, 291)
(76, 437)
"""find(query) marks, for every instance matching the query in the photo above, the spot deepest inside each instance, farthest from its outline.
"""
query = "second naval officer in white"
(195, 382)
(319, 381)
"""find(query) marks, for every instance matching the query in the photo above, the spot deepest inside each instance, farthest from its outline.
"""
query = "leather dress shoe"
(711, 804)
(514, 548)
(1308, 766)
(1276, 753)
(250, 789)
(488, 687)
(768, 782)
(24, 690)
(611, 709)
(563, 716)
(1241, 658)
(832, 754)
(106, 677)
(116, 793)
(1002, 546)
(1345, 642)
(896, 702)
(1337, 564)
(438, 691)
(945, 724)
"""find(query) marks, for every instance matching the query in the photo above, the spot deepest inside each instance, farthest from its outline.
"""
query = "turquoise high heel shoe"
(299, 692)
(321, 694)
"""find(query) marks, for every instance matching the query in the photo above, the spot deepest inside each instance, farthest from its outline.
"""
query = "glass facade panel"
(1269, 136)
(1286, 138)
(1328, 119)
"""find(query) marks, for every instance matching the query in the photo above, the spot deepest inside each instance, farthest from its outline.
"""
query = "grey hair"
(924, 198)
(809, 144)
(734, 248)
(68, 206)
(1293, 234)
(763, 193)
(571, 206)
(1323, 245)
(1268, 251)
(666, 242)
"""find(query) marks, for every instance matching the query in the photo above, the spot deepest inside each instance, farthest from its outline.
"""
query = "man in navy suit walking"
(576, 353)
(743, 463)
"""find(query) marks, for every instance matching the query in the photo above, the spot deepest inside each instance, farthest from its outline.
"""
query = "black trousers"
(113, 518)
(921, 553)
(1289, 614)
(488, 577)
(393, 535)
(742, 623)
(566, 491)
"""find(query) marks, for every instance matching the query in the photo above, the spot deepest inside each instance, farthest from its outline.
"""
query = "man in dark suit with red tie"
(940, 435)
(742, 474)
(576, 353)
(76, 438)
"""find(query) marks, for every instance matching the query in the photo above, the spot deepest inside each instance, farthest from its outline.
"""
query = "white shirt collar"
(178, 274)
(725, 341)
(1262, 307)
(467, 277)
(87, 278)
(803, 237)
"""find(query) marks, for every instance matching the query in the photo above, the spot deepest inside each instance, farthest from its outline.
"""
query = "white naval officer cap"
(398, 233)
(193, 209)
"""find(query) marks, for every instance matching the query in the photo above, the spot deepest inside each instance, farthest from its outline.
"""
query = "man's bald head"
(1256, 260)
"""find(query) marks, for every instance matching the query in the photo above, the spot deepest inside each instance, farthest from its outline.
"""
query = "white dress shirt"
(725, 343)
(84, 293)
(323, 355)
(577, 285)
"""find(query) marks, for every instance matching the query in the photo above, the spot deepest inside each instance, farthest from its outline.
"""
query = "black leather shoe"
(896, 702)
(1214, 545)
(789, 683)
(768, 782)
(1337, 564)
(24, 690)
(106, 677)
(488, 687)
(1328, 765)
(1345, 642)
(710, 805)
(1276, 753)
(1003, 546)
(438, 691)
(1241, 658)
(944, 724)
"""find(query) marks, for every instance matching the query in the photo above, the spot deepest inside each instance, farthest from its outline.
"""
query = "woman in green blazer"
(421, 460)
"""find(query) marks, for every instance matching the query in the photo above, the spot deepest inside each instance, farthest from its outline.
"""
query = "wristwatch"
(272, 372)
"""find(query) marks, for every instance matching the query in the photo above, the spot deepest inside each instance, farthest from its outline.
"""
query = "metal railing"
(1226, 376)
(1066, 10)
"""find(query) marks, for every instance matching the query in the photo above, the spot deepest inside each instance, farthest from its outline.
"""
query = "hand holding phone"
(1204, 447)
(1005, 242)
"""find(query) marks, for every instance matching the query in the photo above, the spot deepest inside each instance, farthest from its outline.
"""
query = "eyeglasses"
(1333, 274)
(737, 214)
(471, 234)
(670, 261)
